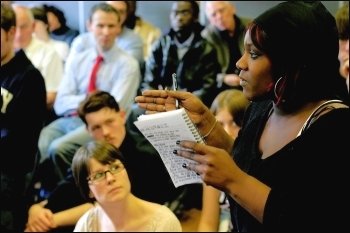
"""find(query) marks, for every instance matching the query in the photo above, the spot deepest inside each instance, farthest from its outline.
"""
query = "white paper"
(162, 130)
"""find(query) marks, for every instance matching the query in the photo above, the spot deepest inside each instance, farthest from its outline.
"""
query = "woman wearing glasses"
(102, 177)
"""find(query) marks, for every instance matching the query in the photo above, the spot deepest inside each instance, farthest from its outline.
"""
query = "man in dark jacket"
(226, 32)
(23, 107)
(183, 51)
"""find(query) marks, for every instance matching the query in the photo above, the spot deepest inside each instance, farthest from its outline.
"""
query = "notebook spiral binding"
(193, 128)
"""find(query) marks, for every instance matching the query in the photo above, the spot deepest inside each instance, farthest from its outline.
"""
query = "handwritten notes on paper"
(162, 130)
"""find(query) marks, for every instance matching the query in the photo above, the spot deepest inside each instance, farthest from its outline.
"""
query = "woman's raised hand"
(154, 101)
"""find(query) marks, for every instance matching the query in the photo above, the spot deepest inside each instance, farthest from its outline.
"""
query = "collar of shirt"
(108, 56)
(182, 48)
(186, 44)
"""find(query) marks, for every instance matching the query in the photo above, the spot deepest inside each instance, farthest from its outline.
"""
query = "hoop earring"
(276, 86)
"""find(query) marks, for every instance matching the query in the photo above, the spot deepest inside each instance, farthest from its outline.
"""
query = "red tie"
(92, 83)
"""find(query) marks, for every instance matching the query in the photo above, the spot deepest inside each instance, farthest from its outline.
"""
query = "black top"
(307, 177)
(23, 108)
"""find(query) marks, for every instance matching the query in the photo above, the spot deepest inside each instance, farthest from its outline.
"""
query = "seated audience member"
(42, 55)
(101, 173)
(342, 19)
(23, 107)
(105, 121)
(126, 39)
(184, 52)
(226, 32)
(111, 70)
(291, 146)
(58, 27)
(60, 211)
(229, 108)
(147, 31)
(41, 31)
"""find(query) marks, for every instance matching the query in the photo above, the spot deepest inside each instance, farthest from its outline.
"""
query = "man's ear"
(11, 33)
(33, 26)
(88, 25)
(122, 114)
(91, 195)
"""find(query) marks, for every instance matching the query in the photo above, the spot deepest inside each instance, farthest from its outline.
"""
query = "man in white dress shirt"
(118, 74)
(43, 56)
(41, 32)
(126, 39)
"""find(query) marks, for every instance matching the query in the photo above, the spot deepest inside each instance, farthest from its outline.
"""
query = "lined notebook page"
(162, 130)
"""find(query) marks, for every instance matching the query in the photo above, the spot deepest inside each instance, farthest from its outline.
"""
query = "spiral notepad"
(192, 127)
(162, 130)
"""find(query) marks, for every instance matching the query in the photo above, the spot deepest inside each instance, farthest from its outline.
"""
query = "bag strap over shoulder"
(320, 110)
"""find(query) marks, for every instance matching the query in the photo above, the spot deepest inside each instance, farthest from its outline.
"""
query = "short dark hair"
(57, 12)
(103, 152)
(195, 8)
(342, 19)
(8, 17)
(105, 8)
(95, 102)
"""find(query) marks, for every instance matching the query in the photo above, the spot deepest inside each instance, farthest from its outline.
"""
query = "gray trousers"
(59, 141)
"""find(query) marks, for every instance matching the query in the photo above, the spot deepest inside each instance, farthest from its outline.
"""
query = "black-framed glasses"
(99, 176)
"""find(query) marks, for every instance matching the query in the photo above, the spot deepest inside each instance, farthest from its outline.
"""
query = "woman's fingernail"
(184, 165)
(177, 142)
(174, 151)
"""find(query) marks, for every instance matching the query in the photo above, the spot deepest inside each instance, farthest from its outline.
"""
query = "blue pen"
(175, 88)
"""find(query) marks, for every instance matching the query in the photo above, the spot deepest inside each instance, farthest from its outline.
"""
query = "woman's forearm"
(71, 216)
(251, 194)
